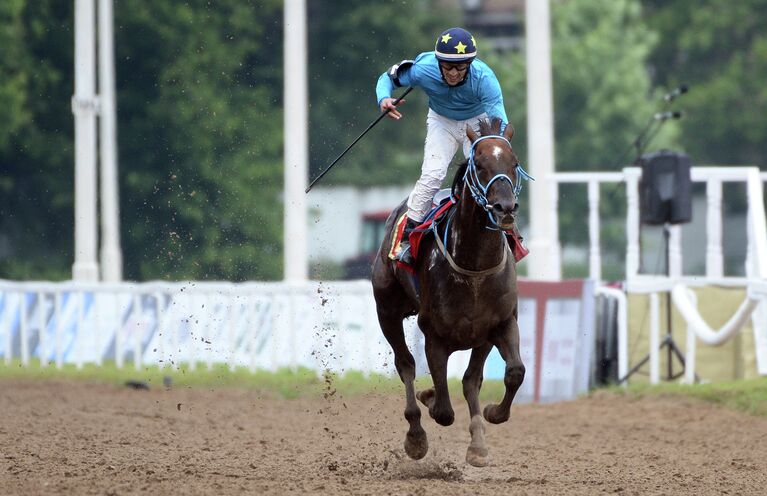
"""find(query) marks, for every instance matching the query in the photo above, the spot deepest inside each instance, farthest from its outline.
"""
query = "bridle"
(479, 191)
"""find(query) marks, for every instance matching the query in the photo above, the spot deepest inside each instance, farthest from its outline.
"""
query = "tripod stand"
(668, 340)
(665, 199)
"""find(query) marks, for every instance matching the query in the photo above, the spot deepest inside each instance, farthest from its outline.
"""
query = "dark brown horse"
(468, 292)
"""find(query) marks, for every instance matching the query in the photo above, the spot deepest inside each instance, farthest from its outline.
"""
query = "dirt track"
(73, 438)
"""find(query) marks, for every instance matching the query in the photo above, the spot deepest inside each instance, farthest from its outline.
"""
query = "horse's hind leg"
(416, 444)
(476, 454)
(507, 343)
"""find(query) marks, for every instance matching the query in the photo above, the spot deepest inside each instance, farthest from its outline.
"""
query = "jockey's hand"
(387, 104)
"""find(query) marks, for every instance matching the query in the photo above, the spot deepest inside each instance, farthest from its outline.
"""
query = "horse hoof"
(444, 418)
(495, 415)
(416, 445)
(476, 457)
(426, 397)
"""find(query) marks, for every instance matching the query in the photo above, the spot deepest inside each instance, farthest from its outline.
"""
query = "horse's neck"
(471, 244)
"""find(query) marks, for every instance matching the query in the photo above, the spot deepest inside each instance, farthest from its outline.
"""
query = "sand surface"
(76, 438)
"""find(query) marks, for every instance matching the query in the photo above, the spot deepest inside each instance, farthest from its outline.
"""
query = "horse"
(466, 292)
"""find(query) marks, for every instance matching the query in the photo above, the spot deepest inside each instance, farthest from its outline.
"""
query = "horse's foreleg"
(476, 454)
(437, 399)
(507, 343)
(416, 443)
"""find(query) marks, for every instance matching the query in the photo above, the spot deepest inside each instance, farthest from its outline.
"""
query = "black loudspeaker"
(665, 191)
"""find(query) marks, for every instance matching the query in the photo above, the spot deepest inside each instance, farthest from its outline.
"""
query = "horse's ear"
(471, 134)
(508, 132)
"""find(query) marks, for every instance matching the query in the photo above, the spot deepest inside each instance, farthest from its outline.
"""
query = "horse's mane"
(486, 127)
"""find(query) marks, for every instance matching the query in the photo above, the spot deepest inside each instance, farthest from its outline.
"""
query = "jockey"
(462, 90)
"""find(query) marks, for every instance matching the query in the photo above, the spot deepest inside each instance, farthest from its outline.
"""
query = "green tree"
(719, 49)
(200, 88)
(13, 79)
(352, 43)
(602, 100)
(36, 222)
(200, 138)
(603, 94)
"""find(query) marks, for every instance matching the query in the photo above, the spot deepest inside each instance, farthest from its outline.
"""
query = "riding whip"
(410, 88)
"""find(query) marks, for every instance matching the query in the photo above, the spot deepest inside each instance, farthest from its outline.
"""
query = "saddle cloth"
(441, 206)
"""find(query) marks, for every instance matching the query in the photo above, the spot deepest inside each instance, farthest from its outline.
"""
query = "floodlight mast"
(296, 153)
(111, 254)
(543, 261)
(85, 108)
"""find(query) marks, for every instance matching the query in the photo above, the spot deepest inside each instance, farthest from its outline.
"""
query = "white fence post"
(654, 339)
(42, 332)
(23, 329)
(714, 256)
(632, 222)
(689, 365)
(595, 258)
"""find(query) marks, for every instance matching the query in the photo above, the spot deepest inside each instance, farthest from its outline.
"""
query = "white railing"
(267, 326)
(272, 325)
(593, 180)
(755, 263)
(713, 177)
(256, 325)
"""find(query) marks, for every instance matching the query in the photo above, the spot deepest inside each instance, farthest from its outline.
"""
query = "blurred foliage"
(602, 101)
(36, 139)
(719, 49)
(602, 93)
(200, 88)
(354, 42)
(201, 138)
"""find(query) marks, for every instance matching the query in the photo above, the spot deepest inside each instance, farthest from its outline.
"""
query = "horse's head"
(493, 174)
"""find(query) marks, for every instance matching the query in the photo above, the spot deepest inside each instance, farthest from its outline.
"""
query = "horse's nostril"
(505, 209)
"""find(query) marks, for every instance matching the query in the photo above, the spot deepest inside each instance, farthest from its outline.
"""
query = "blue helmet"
(455, 45)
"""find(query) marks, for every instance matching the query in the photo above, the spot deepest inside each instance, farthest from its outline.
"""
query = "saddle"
(442, 204)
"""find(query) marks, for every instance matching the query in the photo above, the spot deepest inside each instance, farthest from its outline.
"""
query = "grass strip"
(747, 395)
(285, 382)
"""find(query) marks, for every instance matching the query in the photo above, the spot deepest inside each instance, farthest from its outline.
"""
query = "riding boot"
(405, 254)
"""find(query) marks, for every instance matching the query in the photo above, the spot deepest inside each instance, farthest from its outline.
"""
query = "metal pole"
(85, 108)
(296, 141)
(111, 255)
(543, 261)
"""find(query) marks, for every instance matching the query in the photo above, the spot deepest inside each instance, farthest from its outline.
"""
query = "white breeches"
(443, 136)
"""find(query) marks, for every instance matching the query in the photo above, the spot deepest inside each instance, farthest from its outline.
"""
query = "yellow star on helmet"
(446, 38)
(473, 42)
(460, 48)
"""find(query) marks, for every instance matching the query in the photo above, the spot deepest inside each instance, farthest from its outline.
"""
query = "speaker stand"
(668, 340)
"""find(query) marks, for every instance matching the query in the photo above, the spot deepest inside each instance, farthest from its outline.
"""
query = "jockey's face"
(453, 72)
